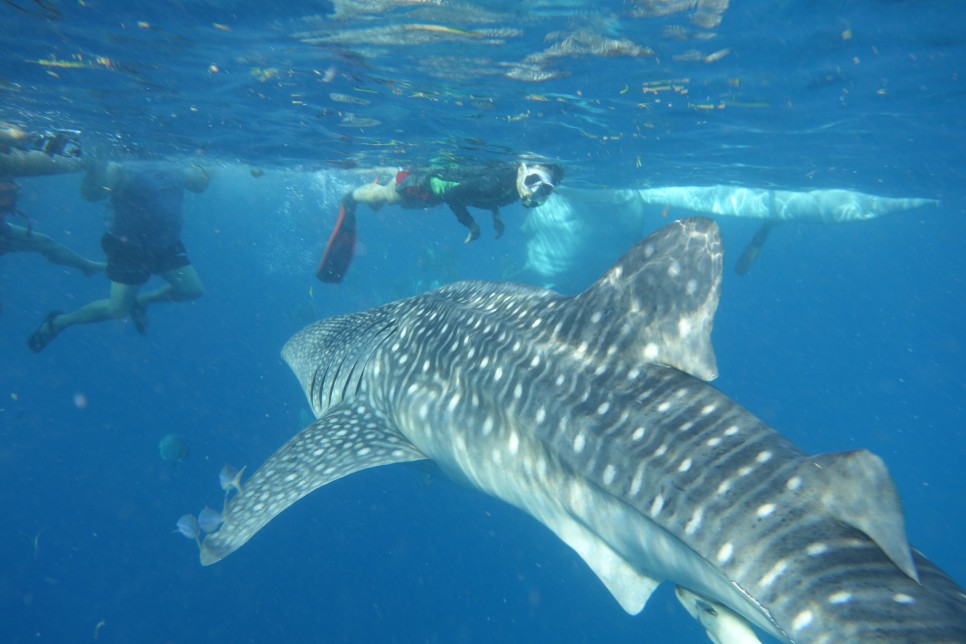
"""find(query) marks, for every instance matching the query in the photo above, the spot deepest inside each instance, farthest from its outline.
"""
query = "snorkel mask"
(540, 185)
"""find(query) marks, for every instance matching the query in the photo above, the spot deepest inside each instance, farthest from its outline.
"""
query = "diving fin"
(341, 247)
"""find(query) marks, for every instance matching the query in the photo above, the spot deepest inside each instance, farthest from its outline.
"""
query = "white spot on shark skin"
(535, 362)
(674, 269)
(579, 442)
(684, 327)
(638, 434)
(471, 351)
(661, 451)
(695, 522)
(516, 345)
(841, 597)
(816, 549)
(745, 471)
(714, 441)
(425, 366)
(497, 374)
(725, 552)
(364, 451)
(637, 480)
(776, 571)
(731, 431)
(514, 443)
(560, 380)
(707, 409)
(453, 402)
(541, 415)
(487, 425)
(596, 317)
(603, 408)
(485, 362)
(724, 486)
(802, 620)
(518, 391)
(686, 425)
(685, 465)
(664, 406)
(609, 473)
(766, 509)
(793, 483)
(537, 322)
(412, 389)
(692, 287)
(290, 477)
(902, 598)
(424, 411)
(650, 351)
(763, 457)
(633, 374)
(657, 505)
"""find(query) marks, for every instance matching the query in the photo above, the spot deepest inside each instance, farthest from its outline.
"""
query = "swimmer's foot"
(473, 235)
(139, 316)
(44, 334)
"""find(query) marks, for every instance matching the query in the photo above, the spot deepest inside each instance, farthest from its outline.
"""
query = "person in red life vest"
(488, 186)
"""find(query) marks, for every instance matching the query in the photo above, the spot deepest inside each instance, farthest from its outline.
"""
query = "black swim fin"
(341, 247)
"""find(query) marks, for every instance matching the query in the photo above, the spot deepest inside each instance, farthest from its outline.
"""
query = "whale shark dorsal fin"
(348, 438)
(855, 488)
(659, 299)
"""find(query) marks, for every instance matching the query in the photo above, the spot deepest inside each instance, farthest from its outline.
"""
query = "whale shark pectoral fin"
(855, 488)
(722, 624)
(349, 438)
(629, 587)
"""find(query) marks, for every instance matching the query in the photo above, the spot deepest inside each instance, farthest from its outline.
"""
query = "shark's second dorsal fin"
(856, 489)
(657, 303)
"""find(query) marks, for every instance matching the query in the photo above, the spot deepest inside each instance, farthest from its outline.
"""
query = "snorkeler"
(15, 238)
(488, 186)
(143, 238)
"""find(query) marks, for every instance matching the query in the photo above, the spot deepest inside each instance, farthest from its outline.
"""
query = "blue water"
(843, 336)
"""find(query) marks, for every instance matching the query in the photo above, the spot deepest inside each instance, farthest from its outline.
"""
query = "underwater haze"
(841, 336)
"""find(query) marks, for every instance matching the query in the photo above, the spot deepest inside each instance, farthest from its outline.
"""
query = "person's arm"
(465, 218)
(35, 163)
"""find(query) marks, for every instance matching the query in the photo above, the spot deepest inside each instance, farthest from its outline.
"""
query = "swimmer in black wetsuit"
(460, 187)
(143, 238)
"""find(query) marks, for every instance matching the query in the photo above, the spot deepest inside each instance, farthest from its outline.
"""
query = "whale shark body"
(593, 415)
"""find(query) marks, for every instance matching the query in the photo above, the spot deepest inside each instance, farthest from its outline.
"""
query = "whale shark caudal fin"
(856, 489)
(660, 296)
(349, 438)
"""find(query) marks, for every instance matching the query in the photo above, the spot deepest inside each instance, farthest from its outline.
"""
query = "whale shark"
(594, 415)
(566, 243)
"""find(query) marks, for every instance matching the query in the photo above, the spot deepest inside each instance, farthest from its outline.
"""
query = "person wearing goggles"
(461, 187)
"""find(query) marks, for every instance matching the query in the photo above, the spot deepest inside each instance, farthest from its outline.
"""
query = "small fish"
(230, 479)
(188, 526)
(210, 520)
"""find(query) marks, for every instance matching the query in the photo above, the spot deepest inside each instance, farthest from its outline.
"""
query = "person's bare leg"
(117, 306)
(183, 284)
(22, 240)
(376, 195)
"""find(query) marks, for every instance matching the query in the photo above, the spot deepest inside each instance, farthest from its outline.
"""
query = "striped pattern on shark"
(593, 415)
